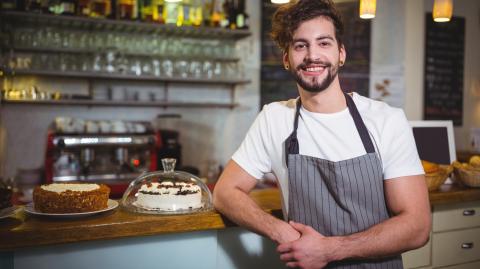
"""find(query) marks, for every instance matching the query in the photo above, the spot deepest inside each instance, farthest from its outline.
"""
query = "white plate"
(112, 204)
(8, 212)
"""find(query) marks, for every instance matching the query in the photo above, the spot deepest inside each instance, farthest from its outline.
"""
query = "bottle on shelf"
(184, 15)
(207, 11)
(216, 15)
(241, 19)
(62, 7)
(219, 17)
(127, 9)
(196, 12)
(83, 8)
(230, 8)
(171, 12)
(159, 5)
(148, 10)
(100, 8)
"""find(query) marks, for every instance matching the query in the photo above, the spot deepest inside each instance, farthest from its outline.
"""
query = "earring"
(287, 67)
(341, 63)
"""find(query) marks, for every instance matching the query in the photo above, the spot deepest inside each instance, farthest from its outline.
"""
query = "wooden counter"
(24, 230)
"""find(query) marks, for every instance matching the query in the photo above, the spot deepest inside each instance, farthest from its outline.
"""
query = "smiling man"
(353, 190)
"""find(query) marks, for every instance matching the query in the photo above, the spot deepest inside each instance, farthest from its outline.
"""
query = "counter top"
(23, 230)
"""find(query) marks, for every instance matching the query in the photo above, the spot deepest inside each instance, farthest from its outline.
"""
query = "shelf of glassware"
(97, 24)
(160, 104)
(106, 76)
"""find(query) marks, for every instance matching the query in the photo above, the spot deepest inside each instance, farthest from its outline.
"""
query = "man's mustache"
(310, 62)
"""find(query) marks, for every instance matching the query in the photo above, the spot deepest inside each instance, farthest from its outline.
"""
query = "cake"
(70, 197)
(5, 195)
(169, 196)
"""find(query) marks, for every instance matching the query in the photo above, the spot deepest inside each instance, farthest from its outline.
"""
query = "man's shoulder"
(375, 108)
(280, 106)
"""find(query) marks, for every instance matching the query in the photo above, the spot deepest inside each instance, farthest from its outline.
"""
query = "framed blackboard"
(444, 59)
(277, 84)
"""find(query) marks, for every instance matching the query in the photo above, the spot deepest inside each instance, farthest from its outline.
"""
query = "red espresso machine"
(112, 153)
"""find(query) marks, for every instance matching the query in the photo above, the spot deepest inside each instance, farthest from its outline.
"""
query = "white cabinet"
(455, 239)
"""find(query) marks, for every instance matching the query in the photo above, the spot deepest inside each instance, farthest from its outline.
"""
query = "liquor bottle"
(8, 5)
(207, 11)
(127, 10)
(231, 8)
(100, 8)
(151, 10)
(241, 16)
(54, 6)
(185, 16)
(62, 7)
(83, 8)
(159, 6)
(171, 12)
(196, 12)
(216, 16)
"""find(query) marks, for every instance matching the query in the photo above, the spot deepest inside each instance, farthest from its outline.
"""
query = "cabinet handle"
(469, 212)
(467, 245)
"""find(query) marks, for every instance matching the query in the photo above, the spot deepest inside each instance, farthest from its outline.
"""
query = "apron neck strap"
(292, 146)
(361, 128)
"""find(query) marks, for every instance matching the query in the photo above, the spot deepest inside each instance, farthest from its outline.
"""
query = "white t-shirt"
(332, 137)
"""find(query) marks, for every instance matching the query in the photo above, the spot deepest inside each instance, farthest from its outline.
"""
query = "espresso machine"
(113, 156)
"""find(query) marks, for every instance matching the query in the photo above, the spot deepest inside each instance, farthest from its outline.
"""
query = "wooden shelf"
(141, 54)
(119, 103)
(26, 18)
(131, 77)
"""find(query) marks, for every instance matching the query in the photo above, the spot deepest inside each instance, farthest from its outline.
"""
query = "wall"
(206, 134)
(398, 34)
(470, 10)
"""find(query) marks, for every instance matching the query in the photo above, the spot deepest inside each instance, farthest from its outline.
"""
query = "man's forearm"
(241, 209)
(391, 237)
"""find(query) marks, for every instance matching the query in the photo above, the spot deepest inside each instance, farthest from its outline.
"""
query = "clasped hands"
(306, 248)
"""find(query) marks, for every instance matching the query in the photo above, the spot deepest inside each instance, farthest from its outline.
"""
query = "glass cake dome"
(167, 192)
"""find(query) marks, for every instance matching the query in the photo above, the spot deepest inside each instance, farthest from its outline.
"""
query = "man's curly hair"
(288, 17)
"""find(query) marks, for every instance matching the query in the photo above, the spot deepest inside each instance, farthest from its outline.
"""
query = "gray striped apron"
(338, 198)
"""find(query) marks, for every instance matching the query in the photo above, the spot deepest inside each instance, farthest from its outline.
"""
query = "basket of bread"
(468, 173)
(436, 174)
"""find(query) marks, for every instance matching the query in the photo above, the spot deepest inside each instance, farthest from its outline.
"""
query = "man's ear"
(343, 54)
(286, 63)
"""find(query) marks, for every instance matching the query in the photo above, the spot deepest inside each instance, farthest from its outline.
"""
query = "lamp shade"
(367, 9)
(442, 10)
(280, 1)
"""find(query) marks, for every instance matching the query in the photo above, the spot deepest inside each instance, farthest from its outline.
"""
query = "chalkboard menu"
(444, 56)
(278, 84)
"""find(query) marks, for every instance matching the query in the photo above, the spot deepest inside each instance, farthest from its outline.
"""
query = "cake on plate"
(169, 196)
(70, 197)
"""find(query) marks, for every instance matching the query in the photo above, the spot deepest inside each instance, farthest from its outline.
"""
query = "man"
(352, 184)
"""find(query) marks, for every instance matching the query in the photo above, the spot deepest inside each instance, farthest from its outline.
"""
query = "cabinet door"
(418, 257)
(456, 247)
(473, 265)
(456, 216)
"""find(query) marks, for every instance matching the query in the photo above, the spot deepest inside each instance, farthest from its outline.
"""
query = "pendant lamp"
(442, 10)
(367, 9)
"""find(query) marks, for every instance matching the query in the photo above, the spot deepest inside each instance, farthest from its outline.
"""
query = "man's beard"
(315, 86)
